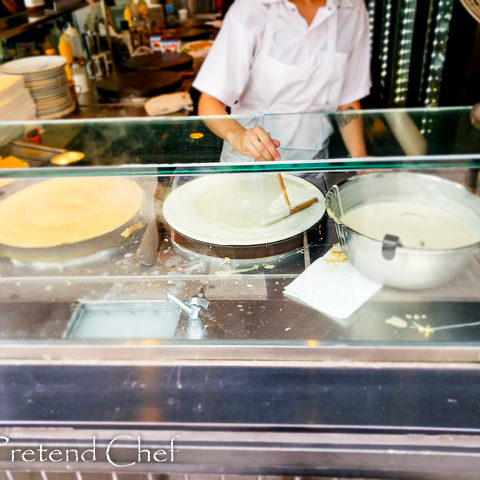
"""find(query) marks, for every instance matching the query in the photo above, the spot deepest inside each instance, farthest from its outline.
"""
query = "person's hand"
(256, 143)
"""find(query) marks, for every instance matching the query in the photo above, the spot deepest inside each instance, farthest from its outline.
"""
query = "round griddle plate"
(140, 84)
(159, 61)
(191, 230)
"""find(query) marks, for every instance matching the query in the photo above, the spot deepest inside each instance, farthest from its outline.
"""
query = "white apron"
(277, 87)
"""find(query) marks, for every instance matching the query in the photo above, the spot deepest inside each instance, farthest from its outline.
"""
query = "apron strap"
(332, 39)
(267, 39)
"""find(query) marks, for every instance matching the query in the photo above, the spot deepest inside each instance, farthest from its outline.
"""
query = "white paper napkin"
(168, 103)
(332, 286)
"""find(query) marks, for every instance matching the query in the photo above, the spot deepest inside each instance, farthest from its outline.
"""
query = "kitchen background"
(424, 52)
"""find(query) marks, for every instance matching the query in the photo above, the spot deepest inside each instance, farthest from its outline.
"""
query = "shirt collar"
(339, 3)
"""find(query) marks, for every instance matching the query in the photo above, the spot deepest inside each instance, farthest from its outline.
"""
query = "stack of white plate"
(15, 100)
(45, 78)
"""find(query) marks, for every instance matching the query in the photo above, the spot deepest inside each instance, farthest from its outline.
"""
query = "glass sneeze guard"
(149, 146)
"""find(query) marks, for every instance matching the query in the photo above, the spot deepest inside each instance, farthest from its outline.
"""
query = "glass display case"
(147, 286)
(150, 242)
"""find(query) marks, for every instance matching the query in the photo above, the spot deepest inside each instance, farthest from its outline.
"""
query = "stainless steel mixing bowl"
(387, 261)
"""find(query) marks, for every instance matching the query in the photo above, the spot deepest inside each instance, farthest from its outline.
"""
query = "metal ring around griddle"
(244, 252)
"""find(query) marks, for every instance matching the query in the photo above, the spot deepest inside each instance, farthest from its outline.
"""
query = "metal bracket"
(192, 308)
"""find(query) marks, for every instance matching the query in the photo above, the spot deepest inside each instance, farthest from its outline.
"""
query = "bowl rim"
(338, 222)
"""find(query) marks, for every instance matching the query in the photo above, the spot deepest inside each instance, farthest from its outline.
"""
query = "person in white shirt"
(287, 56)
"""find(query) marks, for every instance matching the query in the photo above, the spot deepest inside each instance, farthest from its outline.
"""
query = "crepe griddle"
(250, 252)
(109, 241)
(159, 61)
(139, 84)
(267, 244)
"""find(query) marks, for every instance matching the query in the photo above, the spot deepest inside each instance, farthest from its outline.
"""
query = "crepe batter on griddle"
(67, 210)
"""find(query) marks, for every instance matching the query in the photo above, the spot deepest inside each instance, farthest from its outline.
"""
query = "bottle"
(109, 15)
(65, 50)
(47, 47)
(128, 15)
(73, 38)
(135, 36)
(134, 7)
(169, 12)
(126, 36)
(142, 8)
(80, 78)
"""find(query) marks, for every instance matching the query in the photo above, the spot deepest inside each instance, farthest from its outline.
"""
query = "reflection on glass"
(186, 145)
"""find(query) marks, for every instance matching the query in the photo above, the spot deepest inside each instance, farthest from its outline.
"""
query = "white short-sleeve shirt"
(225, 72)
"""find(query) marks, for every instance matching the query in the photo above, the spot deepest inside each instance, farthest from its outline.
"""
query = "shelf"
(17, 24)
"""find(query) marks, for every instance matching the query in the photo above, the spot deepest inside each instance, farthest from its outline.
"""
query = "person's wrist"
(233, 136)
(359, 154)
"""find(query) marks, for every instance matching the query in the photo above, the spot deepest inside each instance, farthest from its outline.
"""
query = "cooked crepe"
(228, 209)
(67, 210)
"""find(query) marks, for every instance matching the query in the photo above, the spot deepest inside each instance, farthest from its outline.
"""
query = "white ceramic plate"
(41, 85)
(50, 97)
(44, 76)
(227, 209)
(60, 114)
(56, 102)
(40, 63)
(47, 99)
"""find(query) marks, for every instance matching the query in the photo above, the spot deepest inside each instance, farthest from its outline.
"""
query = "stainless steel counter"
(248, 317)
(383, 422)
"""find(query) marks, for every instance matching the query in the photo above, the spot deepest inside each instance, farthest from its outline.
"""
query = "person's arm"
(356, 84)
(254, 142)
(351, 129)
(225, 74)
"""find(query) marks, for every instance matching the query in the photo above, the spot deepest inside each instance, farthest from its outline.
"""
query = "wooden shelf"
(23, 22)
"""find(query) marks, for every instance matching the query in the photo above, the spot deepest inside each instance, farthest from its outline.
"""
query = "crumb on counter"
(132, 228)
(335, 255)
(396, 322)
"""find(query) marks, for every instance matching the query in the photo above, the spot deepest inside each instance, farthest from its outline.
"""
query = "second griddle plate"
(139, 84)
(159, 61)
